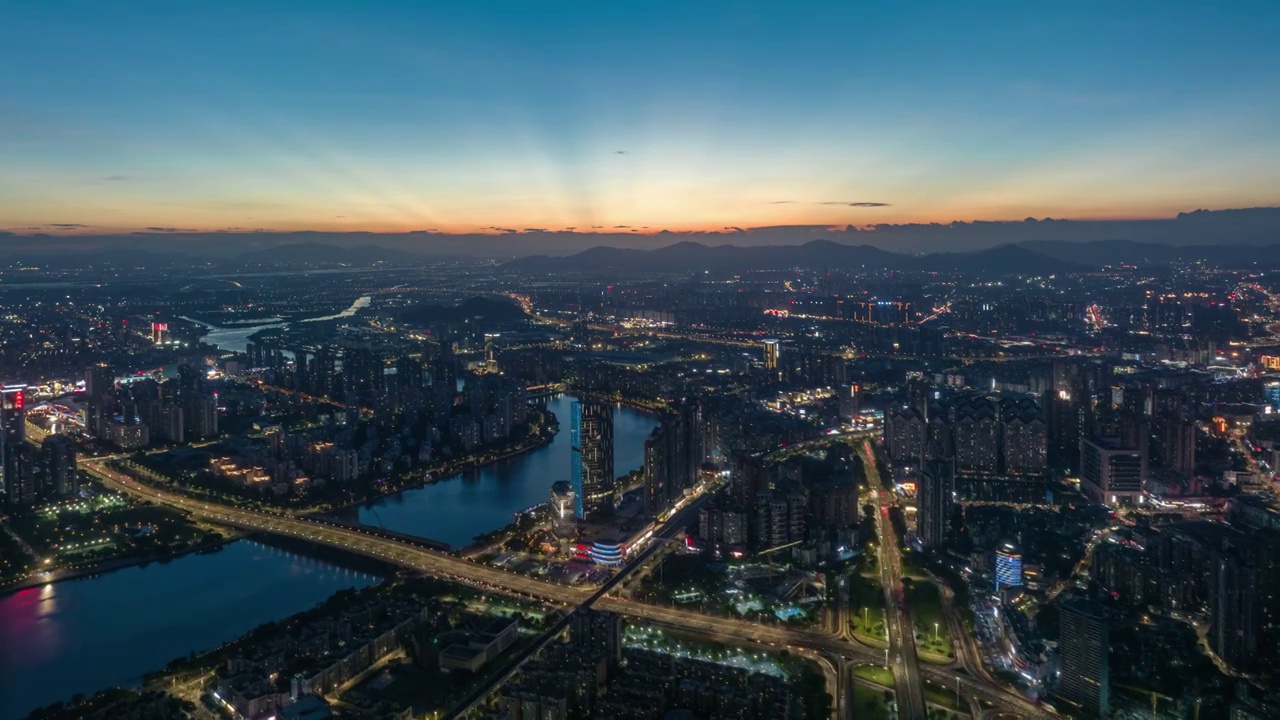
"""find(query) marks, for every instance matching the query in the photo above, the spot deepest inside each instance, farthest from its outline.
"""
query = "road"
(404, 553)
(902, 638)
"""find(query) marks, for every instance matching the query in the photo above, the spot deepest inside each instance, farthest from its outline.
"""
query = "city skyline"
(397, 118)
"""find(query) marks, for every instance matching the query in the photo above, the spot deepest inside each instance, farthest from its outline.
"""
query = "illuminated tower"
(770, 354)
(13, 434)
(591, 438)
(1008, 567)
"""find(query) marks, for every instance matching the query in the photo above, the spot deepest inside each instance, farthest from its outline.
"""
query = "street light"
(935, 632)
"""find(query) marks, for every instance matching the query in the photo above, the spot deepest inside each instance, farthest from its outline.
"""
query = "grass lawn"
(933, 635)
(878, 674)
(937, 695)
(870, 703)
(866, 606)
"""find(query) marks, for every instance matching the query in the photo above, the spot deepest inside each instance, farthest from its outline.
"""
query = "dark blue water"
(86, 635)
(457, 509)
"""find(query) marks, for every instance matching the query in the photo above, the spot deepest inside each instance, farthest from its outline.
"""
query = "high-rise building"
(13, 433)
(935, 498)
(1083, 646)
(1008, 567)
(1236, 600)
(748, 476)
(849, 401)
(977, 437)
(99, 381)
(1025, 440)
(1271, 394)
(657, 469)
(727, 527)
(1110, 473)
(772, 522)
(58, 464)
(20, 481)
(203, 413)
(770, 354)
(905, 436)
(591, 439)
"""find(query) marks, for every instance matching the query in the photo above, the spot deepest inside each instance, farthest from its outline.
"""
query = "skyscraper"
(657, 470)
(849, 401)
(1008, 567)
(770, 354)
(935, 497)
(1236, 608)
(592, 452)
(13, 433)
(58, 462)
(1083, 646)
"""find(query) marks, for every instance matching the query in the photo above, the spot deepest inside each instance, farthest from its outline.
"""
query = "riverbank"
(649, 407)
(47, 578)
(545, 437)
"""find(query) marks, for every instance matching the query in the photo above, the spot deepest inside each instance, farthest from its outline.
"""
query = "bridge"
(423, 556)
(540, 391)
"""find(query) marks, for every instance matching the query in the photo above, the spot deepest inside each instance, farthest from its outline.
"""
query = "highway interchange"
(840, 652)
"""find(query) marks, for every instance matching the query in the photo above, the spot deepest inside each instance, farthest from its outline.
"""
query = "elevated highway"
(423, 557)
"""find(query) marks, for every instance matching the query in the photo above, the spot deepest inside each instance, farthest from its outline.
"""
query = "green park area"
(866, 606)
(935, 694)
(933, 634)
(877, 674)
(871, 703)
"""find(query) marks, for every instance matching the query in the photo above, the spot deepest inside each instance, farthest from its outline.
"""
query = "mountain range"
(1247, 227)
(817, 254)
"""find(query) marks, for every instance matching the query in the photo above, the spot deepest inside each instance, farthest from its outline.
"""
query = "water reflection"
(455, 510)
(86, 635)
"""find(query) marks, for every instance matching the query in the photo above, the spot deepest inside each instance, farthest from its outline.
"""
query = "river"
(457, 509)
(235, 336)
(81, 636)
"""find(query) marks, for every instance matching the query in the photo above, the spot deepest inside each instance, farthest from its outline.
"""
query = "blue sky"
(461, 116)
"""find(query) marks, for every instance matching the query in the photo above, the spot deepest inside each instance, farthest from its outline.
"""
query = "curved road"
(403, 553)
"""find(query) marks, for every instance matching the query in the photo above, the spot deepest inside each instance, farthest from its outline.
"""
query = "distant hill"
(317, 254)
(492, 310)
(1115, 252)
(1002, 260)
(817, 254)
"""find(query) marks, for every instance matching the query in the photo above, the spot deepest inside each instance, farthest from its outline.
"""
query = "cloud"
(621, 152)
(848, 203)
(66, 226)
(535, 230)
(115, 178)
(621, 227)
(734, 229)
(170, 229)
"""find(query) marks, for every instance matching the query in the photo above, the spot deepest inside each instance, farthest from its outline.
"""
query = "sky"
(466, 117)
